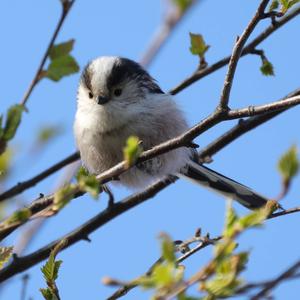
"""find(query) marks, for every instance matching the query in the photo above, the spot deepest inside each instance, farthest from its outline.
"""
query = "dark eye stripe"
(126, 69)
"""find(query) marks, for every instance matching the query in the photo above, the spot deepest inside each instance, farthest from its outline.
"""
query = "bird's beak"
(102, 99)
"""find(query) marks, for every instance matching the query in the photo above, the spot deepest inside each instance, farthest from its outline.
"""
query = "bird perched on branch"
(116, 99)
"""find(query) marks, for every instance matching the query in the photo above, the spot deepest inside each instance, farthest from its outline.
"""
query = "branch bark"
(66, 6)
(22, 186)
(199, 74)
(236, 54)
(273, 283)
(238, 130)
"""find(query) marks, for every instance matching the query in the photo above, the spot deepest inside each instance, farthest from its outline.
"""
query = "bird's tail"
(223, 185)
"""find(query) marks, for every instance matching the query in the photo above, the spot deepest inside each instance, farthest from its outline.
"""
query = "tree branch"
(273, 283)
(238, 130)
(203, 242)
(81, 233)
(263, 109)
(236, 54)
(66, 6)
(199, 74)
(20, 264)
(22, 186)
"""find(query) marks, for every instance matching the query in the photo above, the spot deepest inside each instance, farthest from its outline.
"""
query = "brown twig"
(22, 186)
(81, 233)
(66, 6)
(238, 130)
(203, 242)
(273, 283)
(263, 109)
(199, 74)
(236, 54)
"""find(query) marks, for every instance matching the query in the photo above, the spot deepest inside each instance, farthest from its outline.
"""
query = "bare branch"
(236, 54)
(81, 233)
(238, 130)
(203, 242)
(22, 186)
(66, 6)
(199, 74)
(263, 109)
(273, 283)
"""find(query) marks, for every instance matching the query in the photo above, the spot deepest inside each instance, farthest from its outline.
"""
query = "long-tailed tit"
(117, 98)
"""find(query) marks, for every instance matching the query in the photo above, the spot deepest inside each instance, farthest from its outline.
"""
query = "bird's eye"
(118, 92)
(91, 95)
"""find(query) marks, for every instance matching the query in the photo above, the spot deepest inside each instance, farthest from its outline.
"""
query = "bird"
(117, 98)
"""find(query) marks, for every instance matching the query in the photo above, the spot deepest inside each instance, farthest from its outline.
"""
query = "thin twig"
(23, 263)
(203, 242)
(263, 109)
(238, 130)
(66, 6)
(273, 283)
(82, 232)
(22, 186)
(236, 54)
(199, 74)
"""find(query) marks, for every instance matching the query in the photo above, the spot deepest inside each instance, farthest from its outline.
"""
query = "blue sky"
(128, 245)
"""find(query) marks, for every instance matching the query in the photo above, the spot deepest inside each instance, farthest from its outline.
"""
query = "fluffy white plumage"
(101, 131)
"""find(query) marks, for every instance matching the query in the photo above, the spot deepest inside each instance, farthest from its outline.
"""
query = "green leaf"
(224, 249)
(5, 163)
(163, 275)
(51, 268)
(5, 254)
(274, 5)
(168, 249)
(132, 150)
(287, 4)
(184, 297)
(61, 67)
(222, 287)
(19, 216)
(63, 196)
(252, 220)
(61, 49)
(88, 183)
(50, 272)
(183, 5)
(13, 120)
(267, 68)
(230, 219)
(198, 45)
(48, 295)
(288, 164)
